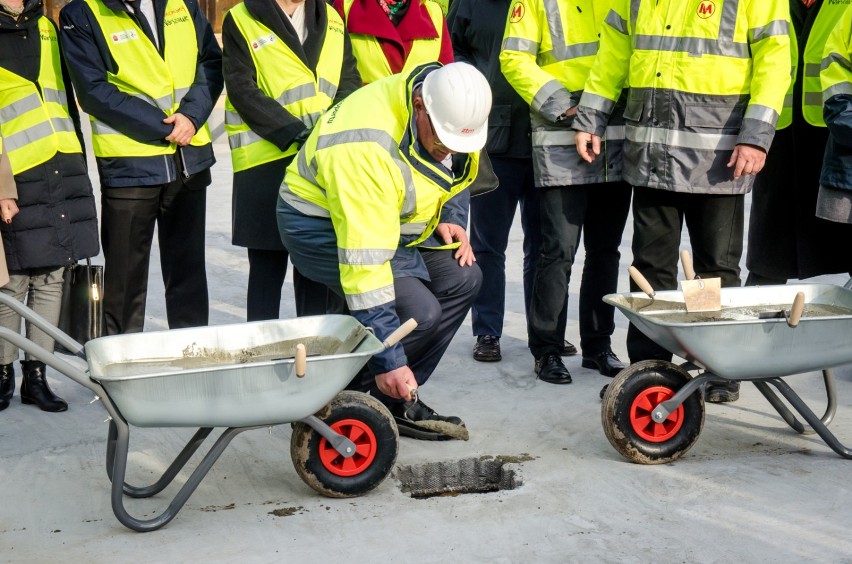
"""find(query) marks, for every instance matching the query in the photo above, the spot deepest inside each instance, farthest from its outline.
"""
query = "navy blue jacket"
(837, 163)
(89, 61)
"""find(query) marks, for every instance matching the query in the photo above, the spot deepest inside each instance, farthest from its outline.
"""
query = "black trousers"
(715, 226)
(267, 269)
(439, 306)
(128, 218)
(601, 210)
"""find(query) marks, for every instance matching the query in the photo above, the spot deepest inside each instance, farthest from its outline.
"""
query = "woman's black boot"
(7, 384)
(34, 388)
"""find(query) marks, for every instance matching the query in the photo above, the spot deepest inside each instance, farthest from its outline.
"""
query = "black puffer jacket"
(57, 222)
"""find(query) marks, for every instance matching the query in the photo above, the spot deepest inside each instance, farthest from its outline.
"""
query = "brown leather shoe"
(567, 349)
(487, 349)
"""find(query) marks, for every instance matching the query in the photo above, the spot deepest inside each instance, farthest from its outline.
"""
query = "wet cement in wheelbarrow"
(675, 312)
(195, 357)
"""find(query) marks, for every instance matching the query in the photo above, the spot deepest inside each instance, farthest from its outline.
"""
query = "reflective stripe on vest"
(161, 82)
(371, 60)
(282, 76)
(812, 96)
(35, 126)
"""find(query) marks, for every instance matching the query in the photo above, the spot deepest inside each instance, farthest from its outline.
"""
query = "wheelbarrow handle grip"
(400, 333)
(797, 309)
(686, 262)
(301, 360)
(641, 281)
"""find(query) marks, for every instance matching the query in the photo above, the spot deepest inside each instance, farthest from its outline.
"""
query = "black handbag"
(81, 314)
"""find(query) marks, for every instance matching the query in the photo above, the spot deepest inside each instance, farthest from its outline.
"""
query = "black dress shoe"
(487, 349)
(721, 392)
(7, 384)
(408, 414)
(606, 363)
(551, 370)
(567, 349)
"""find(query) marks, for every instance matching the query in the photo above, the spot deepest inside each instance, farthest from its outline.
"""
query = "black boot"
(34, 388)
(7, 384)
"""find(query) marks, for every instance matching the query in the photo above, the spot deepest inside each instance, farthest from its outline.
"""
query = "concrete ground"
(750, 489)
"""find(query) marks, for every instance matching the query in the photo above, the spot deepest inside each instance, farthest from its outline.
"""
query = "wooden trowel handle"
(640, 281)
(797, 309)
(301, 360)
(686, 262)
(400, 333)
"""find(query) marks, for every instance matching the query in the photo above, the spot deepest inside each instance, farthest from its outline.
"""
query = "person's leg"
(606, 215)
(313, 298)
(657, 223)
(755, 279)
(267, 269)
(181, 230)
(44, 298)
(715, 225)
(16, 287)
(128, 217)
(491, 217)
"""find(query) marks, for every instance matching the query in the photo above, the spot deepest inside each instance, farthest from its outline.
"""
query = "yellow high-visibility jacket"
(704, 75)
(548, 50)
(361, 168)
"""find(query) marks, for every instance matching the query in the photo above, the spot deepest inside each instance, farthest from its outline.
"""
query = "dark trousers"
(128, 218)
(267, 269)
(439, 306)
(491, 217)
(715, 226)
(601, 210)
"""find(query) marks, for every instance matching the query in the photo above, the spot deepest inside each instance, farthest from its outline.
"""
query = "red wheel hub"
(365, 448)
(642, 422)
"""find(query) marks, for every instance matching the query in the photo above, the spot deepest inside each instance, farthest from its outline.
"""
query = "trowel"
(699, 294)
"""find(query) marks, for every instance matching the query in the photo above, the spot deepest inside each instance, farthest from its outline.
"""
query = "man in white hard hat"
(377, 177)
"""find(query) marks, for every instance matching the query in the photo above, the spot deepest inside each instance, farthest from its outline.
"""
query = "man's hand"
(183, 129)
(8, 210)
(748, 160)
(397, 383)
(450, 233)
(588, 146)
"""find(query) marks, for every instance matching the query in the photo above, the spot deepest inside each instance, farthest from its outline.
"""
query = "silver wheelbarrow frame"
(238, 396)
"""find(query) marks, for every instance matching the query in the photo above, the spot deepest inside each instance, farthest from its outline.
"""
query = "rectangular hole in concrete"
(469, 475)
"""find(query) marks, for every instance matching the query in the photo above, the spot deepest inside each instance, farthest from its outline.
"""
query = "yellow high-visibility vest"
(36, 125)
(282, 76)
(144, 74)
(836, 76)
(829, 14)
(371, 60)
(360, 167)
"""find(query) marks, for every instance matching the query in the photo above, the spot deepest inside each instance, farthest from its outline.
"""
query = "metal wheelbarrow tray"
(240, 377)
(653, 411)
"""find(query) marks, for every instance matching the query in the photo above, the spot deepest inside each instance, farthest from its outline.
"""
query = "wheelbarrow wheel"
(367, 423)
(626, 413)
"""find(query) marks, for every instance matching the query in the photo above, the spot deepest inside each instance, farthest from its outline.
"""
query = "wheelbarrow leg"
(816, 423)
(147, 491)
(830, 408)
(119, 469)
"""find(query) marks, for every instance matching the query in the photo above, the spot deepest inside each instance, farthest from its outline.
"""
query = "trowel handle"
(686, 262)
(641, 282)
(301, 360)
(400, 333)
(797, 309)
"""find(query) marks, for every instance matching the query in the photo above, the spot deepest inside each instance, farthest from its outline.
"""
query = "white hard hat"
(458, 100)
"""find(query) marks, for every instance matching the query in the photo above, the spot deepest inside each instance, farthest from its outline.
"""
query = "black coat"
(57, 222)
(89, 61)
(255, 193)
(479, 45)
(785, 238)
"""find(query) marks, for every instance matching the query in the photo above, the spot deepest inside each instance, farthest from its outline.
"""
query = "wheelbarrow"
(240, 377)
(653, 411)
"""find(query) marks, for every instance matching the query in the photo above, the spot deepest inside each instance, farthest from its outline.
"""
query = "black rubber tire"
(619, 397)
(304, 446)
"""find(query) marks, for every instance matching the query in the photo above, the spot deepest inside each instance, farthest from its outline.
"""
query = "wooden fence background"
(213, 9)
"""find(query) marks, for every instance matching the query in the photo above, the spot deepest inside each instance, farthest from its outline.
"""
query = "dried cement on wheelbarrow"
(203, 357)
